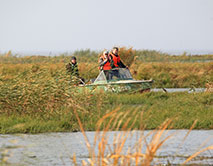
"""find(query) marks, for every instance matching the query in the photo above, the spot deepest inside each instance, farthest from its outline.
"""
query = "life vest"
(116, 59)
(107, 65)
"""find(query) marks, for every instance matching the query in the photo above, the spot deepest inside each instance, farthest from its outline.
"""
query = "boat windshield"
(115, 74)
(118, 74)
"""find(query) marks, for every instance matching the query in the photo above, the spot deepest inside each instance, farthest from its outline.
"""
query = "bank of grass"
(182, 108)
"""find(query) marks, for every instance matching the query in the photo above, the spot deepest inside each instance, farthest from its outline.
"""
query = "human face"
(105, 54)
(115, 51)
(73, 61)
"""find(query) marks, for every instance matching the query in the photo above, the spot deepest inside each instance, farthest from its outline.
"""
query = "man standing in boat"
(115, 62)
(115, 59)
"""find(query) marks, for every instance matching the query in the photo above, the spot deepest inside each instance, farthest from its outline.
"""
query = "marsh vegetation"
(37, 89)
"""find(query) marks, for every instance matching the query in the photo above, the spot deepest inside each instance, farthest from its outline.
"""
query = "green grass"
(183, 108)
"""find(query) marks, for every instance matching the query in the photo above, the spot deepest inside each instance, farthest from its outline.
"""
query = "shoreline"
(182, 107)
(96, 131)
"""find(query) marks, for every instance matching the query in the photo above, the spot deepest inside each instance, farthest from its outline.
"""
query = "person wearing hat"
(72, 67)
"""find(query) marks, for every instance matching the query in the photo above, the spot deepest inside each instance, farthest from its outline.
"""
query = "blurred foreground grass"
(142, 151)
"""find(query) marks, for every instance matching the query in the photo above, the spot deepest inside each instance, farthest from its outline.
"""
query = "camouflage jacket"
(72, 69)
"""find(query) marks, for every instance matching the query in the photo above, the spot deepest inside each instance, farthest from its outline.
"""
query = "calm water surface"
(57, 148)
(171, 90)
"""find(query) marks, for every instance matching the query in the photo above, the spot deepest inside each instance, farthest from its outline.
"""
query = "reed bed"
(175, 75)
(165, 75)
(167, 71)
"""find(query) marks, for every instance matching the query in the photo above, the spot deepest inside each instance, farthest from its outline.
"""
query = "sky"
(69, 25)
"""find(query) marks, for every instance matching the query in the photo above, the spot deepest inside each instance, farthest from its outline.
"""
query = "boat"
(118, 80)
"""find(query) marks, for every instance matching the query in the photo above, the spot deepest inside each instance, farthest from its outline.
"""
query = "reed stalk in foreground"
(104, 153)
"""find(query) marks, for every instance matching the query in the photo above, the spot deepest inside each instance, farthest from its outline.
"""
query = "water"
(170, 90)
(57, 148)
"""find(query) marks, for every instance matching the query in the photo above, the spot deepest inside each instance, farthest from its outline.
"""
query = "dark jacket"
(72, 69)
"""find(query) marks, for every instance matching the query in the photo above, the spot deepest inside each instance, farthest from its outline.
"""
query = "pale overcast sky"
(68, 25)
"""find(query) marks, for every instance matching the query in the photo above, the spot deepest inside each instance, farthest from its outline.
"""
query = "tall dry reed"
(102, 152)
